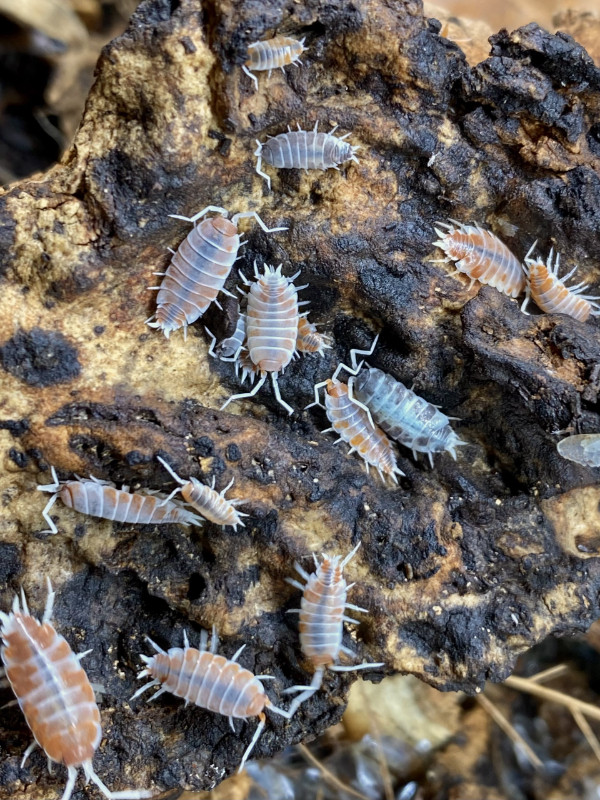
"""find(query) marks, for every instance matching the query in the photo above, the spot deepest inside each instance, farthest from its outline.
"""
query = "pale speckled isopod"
(549, 292)
(481, 256)
(210, 681)
(322, 617)
(404, 416)
(54, 694)
(309, 339)
(206, 501)
(199, 268)
(271, 327)
(353, 423)
(304, 150)
(272, 54)
(583, 448)
(102, 499)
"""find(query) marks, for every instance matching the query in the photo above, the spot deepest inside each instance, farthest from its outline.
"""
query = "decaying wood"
(466, 564)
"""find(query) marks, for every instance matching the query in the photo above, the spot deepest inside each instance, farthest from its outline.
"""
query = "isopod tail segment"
(307, 691)
(148, 660)
(8, 622)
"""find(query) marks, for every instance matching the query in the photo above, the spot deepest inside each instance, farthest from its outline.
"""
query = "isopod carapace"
(102, 499)
(210, 681)
(199, 268)
(304, 150)
(54, 694)
(481, 256)
(322, 615)
(206, 500)
(270, 54)
(271, 327)
(310, 340)
(405, 416)
(352, 422)
(551, 294)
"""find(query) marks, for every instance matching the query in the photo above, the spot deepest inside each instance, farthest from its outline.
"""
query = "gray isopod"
(584, 448)
(304, 150)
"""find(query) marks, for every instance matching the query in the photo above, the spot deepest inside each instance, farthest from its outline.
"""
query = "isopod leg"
(28, 752)
(171, 471)
(264, 175)
(49, 602)
(213, 341)
(255, 738)
(46, 516)
(336, 668)
(296, 584)
(72, 772)
(216, 209)
(317, 401)
(135, 794)
(278, 396)
(50, 487)
(356, 402)
(306, 691)
(250, 75)
(244, 395)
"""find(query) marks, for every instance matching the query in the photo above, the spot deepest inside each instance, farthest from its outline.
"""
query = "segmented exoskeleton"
(583, 448)
(353, 423)
(304, 150)
(271, 327)
(209, 503)
(54, 694)
(309, 339)
(102, 499)
(322, 617)
(550, 293)
(481, 256)
(403, 415)
(199, 268)
(210, 681)
(272, 54)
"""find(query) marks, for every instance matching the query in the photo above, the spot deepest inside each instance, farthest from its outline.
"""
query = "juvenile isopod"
(271, 327)
(102, 499)
(210, 681)
(199, 268)
(550, 293)
(584, 448)
(309, 339)
(304, 150)
(54, 694)
(481, 256)
(403, 415)
(353, 423)
(206, 501)
(322, 617)
(272, 54)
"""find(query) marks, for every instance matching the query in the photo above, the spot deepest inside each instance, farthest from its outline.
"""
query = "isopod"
(199, 268)
(102, 499)
(230, 348)
(353, 423)
(210, 681)
(205, 500)
(309, 339)
(481, 256)
(272, 54)
(54, 694)
(322, 617)
(304, 150)
(550, 293)
(271, 327)
(584, 448)
(403, 415)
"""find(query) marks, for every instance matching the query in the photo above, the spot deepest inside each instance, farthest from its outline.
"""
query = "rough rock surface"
(464, 565)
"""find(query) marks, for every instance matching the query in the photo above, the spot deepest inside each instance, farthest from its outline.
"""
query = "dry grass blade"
(509, 730)
(550, 674)
(585, 728)
(329, 776)
(531, 687)
(54, 18)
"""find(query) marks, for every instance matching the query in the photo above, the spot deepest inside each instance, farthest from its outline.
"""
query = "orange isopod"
(54, 694)
(322, 617)
(550, 293)
(481, 256)
(210, 681)
(353, 423)
(209, 503)
(309, 339)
